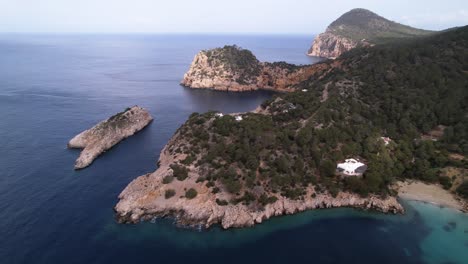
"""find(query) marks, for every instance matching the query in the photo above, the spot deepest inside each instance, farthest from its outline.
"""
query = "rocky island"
(234, 69)
(360, 28)
(108, 133)
(240, 169)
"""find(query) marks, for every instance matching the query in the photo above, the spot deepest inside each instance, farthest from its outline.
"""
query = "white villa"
(386, 140)
(351, 167)
(238, 118)
(219, 114)
(305, 90)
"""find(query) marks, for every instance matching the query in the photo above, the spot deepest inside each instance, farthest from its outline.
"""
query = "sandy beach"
(431, 193)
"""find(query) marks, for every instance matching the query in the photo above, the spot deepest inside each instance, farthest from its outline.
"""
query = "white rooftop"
(350, 165)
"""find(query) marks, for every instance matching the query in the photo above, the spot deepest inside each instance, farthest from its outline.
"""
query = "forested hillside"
(403, 91)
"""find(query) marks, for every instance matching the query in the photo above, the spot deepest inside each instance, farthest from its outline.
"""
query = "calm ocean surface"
(53, 87)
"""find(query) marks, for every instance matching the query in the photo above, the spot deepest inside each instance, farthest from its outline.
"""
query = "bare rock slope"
(108, 133)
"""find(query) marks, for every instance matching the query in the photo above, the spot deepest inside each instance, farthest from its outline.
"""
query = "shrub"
(169, 193)
(462, 190)
(180, 172)
(446, 182)
(168, 179)
(191, 193)
(221, 202)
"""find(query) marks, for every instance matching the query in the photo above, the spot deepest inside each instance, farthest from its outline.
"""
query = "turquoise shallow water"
(53, 87)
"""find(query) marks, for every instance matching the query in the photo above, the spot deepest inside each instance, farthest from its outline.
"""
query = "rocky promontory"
(359, 28)
(234, 69)
(180, 192)
(108, 133)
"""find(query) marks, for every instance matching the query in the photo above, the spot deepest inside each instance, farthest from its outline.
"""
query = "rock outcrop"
(359, 28)
(329, 45)
(144, 199)
(234, 69)
(108, 133)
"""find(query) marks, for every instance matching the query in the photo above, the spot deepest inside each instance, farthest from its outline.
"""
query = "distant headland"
(360, 28)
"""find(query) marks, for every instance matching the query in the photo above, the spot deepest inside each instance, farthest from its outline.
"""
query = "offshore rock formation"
(359, 28)
(108, 133)
(234, 69)
(144, 198)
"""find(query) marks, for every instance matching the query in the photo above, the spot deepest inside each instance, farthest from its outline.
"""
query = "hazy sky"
(215, 16)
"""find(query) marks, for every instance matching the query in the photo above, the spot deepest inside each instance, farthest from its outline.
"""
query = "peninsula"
(360, 28)
(234, 69)
(108, 133)
(342, 138)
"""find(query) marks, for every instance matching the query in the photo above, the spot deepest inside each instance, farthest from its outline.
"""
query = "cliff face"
(234, 69)
(144, 198)
(359, 27)
(108, 133)
(329, 45)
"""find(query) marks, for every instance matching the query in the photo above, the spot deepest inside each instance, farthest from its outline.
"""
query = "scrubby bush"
(191, 193)
(180, 172)
(462, 190)
(169, 193)
(168, 179)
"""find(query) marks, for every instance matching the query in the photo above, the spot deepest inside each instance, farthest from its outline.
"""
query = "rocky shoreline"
(211, 70)
(144, 199)
(108, 133)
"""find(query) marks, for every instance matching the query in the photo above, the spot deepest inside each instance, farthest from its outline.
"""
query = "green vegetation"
(397, 90)
(462, 190)
(168, 179)
(235, 59)
(191, 193)
(180, 172)
(169, 193)
(359, 24)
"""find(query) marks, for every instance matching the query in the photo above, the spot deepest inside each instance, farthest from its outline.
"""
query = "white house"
(305, 90)
(238, 118)
(386, 140)
(219, 114)
(351, 167)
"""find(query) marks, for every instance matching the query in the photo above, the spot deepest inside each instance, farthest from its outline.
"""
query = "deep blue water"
(53, 87)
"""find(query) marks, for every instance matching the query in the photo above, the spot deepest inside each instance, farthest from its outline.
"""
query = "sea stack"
(108, 133)
(359, 28)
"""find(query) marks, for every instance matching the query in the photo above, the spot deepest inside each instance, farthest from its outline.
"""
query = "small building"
(238, 118)
(351, 167)
(219, 114)
(305, 90)
(386, 140)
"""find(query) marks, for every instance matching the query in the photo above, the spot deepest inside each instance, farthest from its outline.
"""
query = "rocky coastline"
(144, 199)
(215, 69)
(108, 133)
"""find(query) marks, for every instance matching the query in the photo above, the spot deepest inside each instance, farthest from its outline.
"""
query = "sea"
(54, 86)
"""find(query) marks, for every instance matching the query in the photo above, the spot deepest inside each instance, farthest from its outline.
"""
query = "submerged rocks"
(108, 133)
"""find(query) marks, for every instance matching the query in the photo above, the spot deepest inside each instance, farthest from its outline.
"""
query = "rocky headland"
(108, 133)
(359, 28)
(147, 197)
(234, 69)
